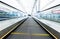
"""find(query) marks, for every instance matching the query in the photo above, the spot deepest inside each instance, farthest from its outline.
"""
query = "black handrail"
(51, 7)
(10, 6)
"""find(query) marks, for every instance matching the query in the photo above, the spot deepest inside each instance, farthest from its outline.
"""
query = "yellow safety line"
(50, 32)
(40, 34)
(20, 33)
(15, 33)
(8, 32)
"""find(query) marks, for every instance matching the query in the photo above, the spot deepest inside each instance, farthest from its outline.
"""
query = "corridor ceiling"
(27, 5)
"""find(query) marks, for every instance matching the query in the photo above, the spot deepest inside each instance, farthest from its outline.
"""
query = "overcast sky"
(26, 5)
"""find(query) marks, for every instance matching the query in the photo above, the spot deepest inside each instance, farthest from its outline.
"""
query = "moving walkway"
(29, 30)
